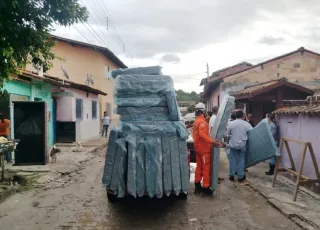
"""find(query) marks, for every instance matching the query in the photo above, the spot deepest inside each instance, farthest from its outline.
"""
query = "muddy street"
(78, 201)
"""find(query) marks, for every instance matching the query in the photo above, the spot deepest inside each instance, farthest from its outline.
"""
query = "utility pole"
(207, 70)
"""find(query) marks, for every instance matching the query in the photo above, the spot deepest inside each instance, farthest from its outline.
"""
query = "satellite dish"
(89, 79)
(65, 74)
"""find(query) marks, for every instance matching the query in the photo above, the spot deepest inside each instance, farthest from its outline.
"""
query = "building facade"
(79, 60)
(300, 67)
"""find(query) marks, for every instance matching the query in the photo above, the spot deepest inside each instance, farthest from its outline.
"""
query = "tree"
(191, 108)
(25, 27)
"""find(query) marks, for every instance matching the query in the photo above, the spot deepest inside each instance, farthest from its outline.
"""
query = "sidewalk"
(67, 161)
(93, 142)
(305, 211)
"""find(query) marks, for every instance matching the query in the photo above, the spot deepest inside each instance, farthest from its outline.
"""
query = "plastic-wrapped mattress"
(149, 70)
(219, 127)
(261, 145)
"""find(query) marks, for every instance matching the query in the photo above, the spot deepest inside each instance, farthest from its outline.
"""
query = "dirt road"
(78, 201)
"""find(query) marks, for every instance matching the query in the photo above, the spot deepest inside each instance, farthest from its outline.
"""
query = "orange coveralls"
(202, 144)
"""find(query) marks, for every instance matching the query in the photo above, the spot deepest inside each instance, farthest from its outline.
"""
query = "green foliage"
(185, 96)
(25, 27)
(191, 108)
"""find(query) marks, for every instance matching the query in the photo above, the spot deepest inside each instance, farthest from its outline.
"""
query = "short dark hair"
(215, 109)
(233, 116)
(210, 113)
(239, 114)
(272, 116)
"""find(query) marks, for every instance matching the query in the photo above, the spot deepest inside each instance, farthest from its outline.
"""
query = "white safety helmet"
(200, 107)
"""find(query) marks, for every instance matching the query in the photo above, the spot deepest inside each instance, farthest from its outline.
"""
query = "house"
(212, 93)
(300, 66)
(80, 60)
(76, 108)
(23, 87)
(266, 97)
(301, 120)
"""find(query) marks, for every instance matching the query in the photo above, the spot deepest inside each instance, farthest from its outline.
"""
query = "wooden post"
(301, 179)
(303, 156)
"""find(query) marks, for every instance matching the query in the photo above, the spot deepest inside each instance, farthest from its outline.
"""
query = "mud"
(78, 201)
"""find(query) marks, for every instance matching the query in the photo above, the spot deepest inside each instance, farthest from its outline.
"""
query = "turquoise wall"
(38, 89)
(42, 90)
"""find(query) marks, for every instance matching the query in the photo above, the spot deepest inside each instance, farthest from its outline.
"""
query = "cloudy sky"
(183, 35)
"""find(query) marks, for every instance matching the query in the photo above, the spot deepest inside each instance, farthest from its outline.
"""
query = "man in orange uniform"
(202, 144)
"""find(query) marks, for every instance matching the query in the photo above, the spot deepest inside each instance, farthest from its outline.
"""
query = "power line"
(81, 33)
(99, 38)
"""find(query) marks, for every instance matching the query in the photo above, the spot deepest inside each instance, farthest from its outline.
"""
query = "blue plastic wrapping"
(174, 111)
(148, 154)
(126, 84)
(143, 114)
(110, 157)
(184, 168)
(260, 145)
(150, 167)
(158, 167)
(175, 163)
(149, 70)
(219, 127)
(160, 128)
(117, 179)
(166, 164)
(140, 166)
(131, 172)
(141, 101)
(121, 157)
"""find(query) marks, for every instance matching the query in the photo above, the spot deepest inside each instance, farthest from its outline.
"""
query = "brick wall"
(296, 68)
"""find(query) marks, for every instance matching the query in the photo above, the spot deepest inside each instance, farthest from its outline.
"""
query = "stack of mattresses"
(147, 152)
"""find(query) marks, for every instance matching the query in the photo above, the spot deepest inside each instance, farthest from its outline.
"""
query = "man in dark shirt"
(250, 120)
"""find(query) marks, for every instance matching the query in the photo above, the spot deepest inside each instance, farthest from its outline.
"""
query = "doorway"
(30, 128)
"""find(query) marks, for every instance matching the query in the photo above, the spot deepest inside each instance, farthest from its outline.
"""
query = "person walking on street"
(215, 110)
(238, 133)
(273, 127)
(203, 144)
(4, 132)
(105, 124)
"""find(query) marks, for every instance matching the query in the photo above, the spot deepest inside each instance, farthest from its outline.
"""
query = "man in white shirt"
(105, 124)
(238, 133)
(215, 110)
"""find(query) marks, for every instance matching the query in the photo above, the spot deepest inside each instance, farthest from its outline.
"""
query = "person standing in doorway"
(4, 132)
(271, 119)
(105, 124)
(202, 144)
(215, 110)
(238, 133)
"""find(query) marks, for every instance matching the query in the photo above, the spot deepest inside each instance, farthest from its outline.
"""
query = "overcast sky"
(183, 35)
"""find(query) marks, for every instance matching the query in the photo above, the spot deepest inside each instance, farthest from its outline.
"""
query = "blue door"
(54, 118)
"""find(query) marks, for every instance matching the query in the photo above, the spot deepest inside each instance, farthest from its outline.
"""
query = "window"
(106, 70)
(94, 110)
(278, 74)
(296, 65)
(278, 66)
(79, 106)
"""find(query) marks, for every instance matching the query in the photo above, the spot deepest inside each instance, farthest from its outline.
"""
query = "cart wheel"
(111, 197)
(183, 196)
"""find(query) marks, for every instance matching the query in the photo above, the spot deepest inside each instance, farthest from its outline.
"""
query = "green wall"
(38, 89)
